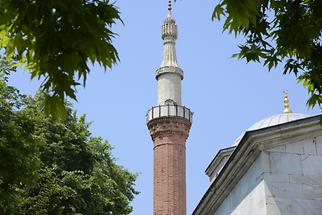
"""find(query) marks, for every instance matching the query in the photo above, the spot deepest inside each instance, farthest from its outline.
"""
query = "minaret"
(169, 123)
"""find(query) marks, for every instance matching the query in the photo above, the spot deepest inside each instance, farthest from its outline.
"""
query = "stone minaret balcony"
(169, 110)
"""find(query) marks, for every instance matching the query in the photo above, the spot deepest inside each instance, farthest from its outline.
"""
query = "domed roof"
(276, 120)
(286, 116)
(272, 121)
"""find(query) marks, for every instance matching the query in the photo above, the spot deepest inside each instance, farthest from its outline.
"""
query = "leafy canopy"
(56, 167)
(18, 146)
(56, 39)
(279, 32)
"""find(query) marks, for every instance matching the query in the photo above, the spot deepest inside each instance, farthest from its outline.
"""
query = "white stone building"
(274, 168)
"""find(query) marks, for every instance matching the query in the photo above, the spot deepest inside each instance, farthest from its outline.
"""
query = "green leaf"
(56, 40)
(218, 11)
(55, 106)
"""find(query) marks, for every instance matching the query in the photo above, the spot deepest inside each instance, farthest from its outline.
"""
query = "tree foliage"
(287, 32)
(56, 40)
(56, 167)
(18, 147)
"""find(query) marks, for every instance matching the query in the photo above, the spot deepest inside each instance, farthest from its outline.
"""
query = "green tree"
(287, 32)
(78, 173)
(56, 167)
(18, 147)
(56, 39)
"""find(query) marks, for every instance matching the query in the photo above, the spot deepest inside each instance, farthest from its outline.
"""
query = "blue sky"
(227, 95)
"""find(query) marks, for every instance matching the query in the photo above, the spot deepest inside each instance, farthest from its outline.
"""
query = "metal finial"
(169, 5)
(287, 108)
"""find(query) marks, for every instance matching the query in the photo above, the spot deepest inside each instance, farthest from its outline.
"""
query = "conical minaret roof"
(169, 35)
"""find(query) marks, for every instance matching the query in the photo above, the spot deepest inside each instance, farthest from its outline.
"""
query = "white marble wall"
(248, 196)
(284, 180)
(293, 176)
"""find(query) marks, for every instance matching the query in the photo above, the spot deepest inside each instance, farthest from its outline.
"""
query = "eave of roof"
(219, 156)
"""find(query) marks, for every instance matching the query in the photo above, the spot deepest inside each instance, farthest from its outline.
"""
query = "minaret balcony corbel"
(169, 69)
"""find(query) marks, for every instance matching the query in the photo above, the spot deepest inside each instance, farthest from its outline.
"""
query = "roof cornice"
(218, 158)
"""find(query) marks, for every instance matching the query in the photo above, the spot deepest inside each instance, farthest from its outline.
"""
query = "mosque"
(273, 168)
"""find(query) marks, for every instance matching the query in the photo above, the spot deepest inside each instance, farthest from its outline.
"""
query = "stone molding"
(169, 29)
(217, 161)
(169, 69)
(167, 126)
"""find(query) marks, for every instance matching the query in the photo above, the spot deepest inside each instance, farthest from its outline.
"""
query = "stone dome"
(272, 121)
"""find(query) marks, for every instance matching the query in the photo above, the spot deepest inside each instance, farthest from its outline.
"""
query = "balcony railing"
(169, 110)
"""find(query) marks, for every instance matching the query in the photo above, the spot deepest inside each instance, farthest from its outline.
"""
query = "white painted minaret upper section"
(169, 36)
(169, 75)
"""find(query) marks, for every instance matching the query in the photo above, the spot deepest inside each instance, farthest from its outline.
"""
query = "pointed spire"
(169, 36)
(287, 108)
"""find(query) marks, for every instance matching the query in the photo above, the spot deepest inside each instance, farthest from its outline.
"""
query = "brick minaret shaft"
(169, 123)
(169, 135)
